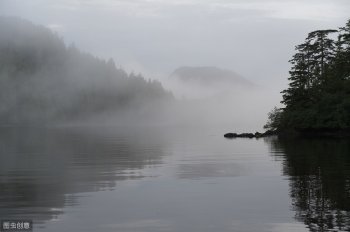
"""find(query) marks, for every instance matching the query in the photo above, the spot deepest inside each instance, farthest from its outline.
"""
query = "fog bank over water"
(215, 97)
(240, 111)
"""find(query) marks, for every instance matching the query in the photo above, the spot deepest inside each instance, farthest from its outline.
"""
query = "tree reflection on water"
(319, 175)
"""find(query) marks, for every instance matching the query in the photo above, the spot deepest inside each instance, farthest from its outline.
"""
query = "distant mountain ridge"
(209, 75)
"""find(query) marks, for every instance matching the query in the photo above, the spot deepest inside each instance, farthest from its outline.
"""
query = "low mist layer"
(206, 81)
(220, 98)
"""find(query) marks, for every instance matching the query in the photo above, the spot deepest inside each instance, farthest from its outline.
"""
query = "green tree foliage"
(274, 118)
(318, 96)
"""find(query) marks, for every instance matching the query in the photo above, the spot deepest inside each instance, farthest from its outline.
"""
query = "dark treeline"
(318, 97)
(43, 80)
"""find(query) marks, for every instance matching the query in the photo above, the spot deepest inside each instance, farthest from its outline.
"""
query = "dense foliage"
(43, 80)
(318, 97)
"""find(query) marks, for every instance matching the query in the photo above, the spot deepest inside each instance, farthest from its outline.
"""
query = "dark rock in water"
(230, 135)
(250, 135)
(246, 135)
(235, 135)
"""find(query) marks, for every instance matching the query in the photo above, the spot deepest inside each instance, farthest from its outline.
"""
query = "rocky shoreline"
(250, 135)
(304, 133)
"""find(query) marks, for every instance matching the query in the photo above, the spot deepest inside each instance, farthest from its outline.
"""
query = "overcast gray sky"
(255, 38)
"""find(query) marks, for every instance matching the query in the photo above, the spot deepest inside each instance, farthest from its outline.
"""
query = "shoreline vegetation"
(317, 101)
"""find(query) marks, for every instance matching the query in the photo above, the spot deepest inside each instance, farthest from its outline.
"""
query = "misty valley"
(86, 145)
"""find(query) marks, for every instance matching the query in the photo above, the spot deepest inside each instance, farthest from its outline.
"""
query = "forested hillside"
(44, 81)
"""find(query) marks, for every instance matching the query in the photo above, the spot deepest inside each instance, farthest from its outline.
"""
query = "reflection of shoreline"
(319, 175)
(43, 170)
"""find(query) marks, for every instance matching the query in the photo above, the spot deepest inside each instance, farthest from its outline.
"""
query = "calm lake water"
(180, 180)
